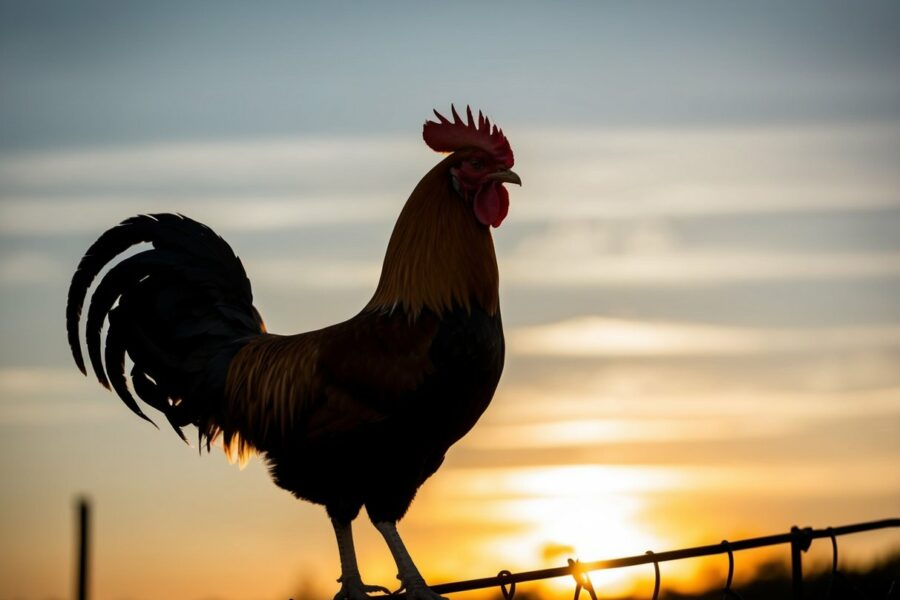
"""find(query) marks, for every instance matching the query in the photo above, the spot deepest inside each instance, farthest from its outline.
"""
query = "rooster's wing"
(330, 381)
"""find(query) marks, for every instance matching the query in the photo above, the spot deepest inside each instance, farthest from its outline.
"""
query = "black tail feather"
(179, 310)
(121, 277)
(113, 242)
(150, 393)
(115, 366)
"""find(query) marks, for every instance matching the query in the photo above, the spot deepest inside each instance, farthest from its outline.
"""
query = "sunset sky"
(699, 278)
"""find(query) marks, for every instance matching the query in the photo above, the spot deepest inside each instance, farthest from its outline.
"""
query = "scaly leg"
(352, 587)
(408, 574)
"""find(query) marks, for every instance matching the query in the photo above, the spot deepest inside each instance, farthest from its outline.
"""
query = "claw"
(353, 588)
(423, 593)
(417, 589)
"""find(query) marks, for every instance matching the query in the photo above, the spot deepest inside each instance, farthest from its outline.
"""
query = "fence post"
(84, 525)
(800, 542)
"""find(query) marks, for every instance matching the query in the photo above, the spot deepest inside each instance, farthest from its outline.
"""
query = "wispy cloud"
(585, 432)
(299, 274)
(24, 268)
(600, 480)
(255, 164)
(599, 336)
(569, 176)
(534, 418)
(283, 275)
(647, 173)
(656, 395)
(648, 253)
(236, 186)
(250, 212)
(678, 269)
(51, 412)
(33, 381)
(694, 268)
(46, 395)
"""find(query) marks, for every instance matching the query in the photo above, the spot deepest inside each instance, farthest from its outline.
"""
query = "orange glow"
(526, 518)
(549, 514)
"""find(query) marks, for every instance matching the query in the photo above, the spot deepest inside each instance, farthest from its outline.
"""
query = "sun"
(584, 512)
(536, 517)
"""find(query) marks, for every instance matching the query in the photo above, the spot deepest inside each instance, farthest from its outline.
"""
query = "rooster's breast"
(467, 355)
(382, 462)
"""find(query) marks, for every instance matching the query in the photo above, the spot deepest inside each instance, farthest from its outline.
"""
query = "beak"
(504, 176)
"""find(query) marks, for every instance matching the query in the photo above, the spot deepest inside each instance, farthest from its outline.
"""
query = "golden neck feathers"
(439, 255)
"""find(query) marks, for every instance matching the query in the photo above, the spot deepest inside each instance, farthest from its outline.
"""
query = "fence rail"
(798, 538)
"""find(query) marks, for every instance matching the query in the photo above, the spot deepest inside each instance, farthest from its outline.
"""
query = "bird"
(357, 414)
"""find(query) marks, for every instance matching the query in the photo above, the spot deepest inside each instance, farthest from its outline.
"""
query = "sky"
(699, 276)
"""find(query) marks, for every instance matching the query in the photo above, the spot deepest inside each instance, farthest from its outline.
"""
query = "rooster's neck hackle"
(439, 255)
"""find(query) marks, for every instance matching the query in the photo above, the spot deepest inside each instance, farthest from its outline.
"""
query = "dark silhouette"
(797, 539)
(352, 415)
(770, 581)
(83, 571)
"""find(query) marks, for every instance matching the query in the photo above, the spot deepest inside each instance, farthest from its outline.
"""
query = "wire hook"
(835, 574)
(582, 580)
(656, 572)
(727, 592)
(508, 592)
(834, 551)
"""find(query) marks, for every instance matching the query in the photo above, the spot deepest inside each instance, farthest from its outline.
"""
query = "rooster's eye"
(476, 164)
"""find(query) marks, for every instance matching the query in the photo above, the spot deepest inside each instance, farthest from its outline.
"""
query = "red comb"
(449, 136)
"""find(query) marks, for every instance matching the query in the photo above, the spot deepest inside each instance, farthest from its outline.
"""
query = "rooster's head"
(482, 164)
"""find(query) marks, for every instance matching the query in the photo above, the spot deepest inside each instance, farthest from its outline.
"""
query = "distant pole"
(84, 526)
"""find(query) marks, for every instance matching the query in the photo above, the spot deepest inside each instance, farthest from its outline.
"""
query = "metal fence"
(798, 538)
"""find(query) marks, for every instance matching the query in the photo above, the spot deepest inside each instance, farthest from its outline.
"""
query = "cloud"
(300, 274)
(584, 432)
(678, 269)
(29, 268)
(45, 395)
(50, 412)
(604, 337)
(250, 185)
(605, 480)
(647, 253)
(673, 394)
(26, 268)
(288, 275)
(253, 164)
(248, 213)
(607, 198)
(569, 176)
(34, 381)
(536, 417)
(695, 268)
(647, 173)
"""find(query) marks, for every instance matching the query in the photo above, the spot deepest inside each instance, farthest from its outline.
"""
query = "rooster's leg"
(352, 587)
(408, 574)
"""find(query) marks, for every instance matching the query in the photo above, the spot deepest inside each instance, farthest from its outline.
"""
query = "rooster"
(357, 414)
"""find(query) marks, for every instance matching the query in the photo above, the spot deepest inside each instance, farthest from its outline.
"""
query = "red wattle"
(492, 204)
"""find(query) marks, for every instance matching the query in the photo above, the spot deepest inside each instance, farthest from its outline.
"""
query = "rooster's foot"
(416, 589)
(353, 588)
